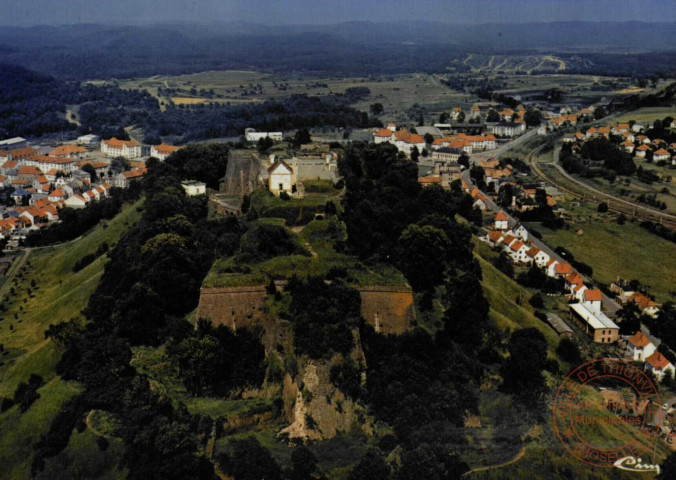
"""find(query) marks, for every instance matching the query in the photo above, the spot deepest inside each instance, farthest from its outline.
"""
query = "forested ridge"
(34, 105)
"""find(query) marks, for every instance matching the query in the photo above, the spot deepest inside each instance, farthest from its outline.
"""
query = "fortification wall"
(389, 310)
(232, 306)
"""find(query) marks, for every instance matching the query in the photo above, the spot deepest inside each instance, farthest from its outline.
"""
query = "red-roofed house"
(519, 251)
(562, 270)
(56, 195)
(494, 238)
(539, 257)
(573, 280)
(592, 300)
(642, 150)
(123, 179)
(406, 141)
(644, 304)
(431, 180)
(161, 152)
(639, 347)
(501, 221)
(659, 366)
(661, 154)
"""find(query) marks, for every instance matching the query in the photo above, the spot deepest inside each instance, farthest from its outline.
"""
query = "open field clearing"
(613, 250)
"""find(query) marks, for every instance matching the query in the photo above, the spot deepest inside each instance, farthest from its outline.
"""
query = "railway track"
(581, 192)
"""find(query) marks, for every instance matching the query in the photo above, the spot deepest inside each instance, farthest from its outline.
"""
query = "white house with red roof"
(501, 221)
(639, 347)
(162, 151)
(661, 154)
(659, 366)
(562, 270)
(402, 139)
(538, 257)
(68, 151)
(494, 238)
(592, 299)
(519, 251)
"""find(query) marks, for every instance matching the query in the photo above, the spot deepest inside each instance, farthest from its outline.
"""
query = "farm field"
(646, 114)
(397, 93)
(613, 250)
(57, 295)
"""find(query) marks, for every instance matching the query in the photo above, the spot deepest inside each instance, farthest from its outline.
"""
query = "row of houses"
(586, 302)
(641, 349)
(631, 138)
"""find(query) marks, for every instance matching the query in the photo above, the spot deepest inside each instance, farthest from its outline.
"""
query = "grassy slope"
(510, 309)
(60, 296)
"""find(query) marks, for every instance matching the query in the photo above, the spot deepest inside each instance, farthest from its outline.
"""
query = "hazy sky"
(34, 12)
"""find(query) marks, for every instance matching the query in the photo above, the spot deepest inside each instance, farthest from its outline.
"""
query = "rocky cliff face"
(314, 407)
(317, 410)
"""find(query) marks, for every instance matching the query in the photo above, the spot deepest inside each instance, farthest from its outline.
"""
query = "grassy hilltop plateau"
(382, 280)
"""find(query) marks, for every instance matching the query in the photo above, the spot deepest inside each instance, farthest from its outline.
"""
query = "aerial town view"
(308, 240)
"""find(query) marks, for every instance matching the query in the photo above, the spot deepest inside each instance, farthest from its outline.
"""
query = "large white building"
(252, 135)
(404, 140)
(13, 143)
(90, 139)
(121, 148)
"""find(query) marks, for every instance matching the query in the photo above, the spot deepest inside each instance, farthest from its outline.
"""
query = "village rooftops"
(501, 217)
(562, 269)
(65, 150)
(115, 143)
(593, 295)
(639, 340)
(595, 320)
(657, 361)
(641, 301)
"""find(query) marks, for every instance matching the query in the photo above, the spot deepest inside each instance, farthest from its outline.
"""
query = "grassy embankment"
(58, 295)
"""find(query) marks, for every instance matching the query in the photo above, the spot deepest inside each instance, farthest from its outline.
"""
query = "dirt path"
(14, 271)
(88, 422)
(516, 458)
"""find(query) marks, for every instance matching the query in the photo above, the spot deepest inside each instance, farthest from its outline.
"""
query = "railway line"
(584, 192)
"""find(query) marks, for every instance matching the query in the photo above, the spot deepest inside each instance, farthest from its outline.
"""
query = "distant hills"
(352, 48)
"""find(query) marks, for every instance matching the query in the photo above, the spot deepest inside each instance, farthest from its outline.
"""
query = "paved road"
(505, 147)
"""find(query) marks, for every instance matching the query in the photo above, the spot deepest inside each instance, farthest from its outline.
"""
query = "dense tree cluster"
(215, 361)
(323, 316)
(150, 283)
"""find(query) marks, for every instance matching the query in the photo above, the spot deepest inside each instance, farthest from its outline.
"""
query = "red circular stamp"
(605, 411)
